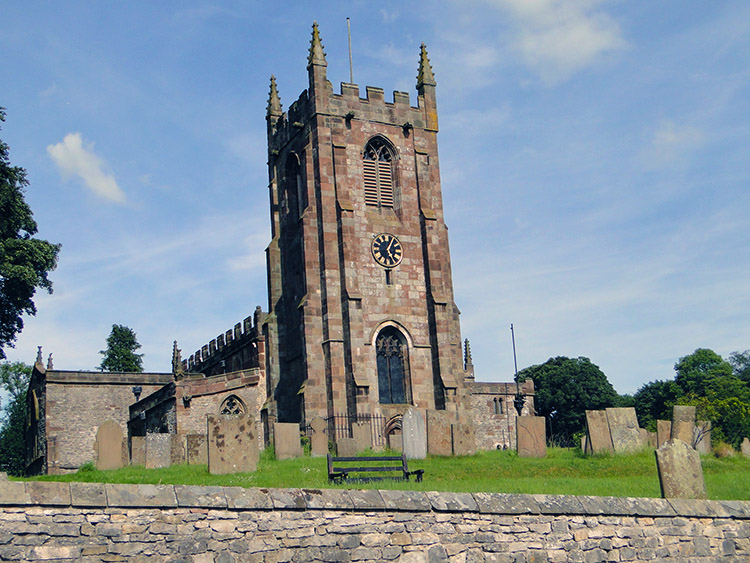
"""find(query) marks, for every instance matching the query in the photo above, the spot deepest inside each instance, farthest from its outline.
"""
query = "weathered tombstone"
(745, 447)
(623, 427)
(109, 446)
(643, 435)
(232, 443)
(652, 440)
(585, 448)
(177, 453)
(158, 450)
(439, 440)
(598, 438)
(683, 423)
(319, 437)
(286, 440)
(414, 434)
(346, 447)
(531, 436)
(395, 441)
(702, 437)
(663, 432)
(680, 471)
(138, 450)
(197, 449)
(464, 439)
(362, 436)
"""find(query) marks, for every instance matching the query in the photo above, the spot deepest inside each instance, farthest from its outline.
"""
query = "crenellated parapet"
(240, 347)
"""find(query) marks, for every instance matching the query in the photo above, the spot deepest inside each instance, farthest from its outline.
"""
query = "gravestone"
(683, 423)
(362, 436)
(177, 453)
(395, 441)
(319, 437)
(286, 441)
(680, 471)
(464, 439)
(232, 443)
(138, 450)
(585, 448)
(623, 427)
(652, 440)
(702, 437)
(158, 450)
(346, 447)
(197, 449)
(531, 436)
(643, 434)
(598, 438)
(439, 440)
(745, 447)
(663, 432)
(109, 446)
(414, 435)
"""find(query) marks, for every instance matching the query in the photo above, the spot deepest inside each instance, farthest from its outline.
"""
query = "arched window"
(232, 405)
(393, 367)
(377, 163)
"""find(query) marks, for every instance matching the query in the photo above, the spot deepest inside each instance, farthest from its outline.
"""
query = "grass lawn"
(563, 471)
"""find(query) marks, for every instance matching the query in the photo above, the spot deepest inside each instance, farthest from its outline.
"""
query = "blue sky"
(594, 159)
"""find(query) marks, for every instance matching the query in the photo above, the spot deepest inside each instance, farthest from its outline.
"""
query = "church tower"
(361, 312)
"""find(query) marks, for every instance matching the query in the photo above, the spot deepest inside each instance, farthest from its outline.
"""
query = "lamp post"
(520, 398)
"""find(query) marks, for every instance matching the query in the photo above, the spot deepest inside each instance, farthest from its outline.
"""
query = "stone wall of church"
(494, 415)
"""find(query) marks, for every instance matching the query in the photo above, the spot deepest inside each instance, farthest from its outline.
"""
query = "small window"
(377, 164)
(232, 405)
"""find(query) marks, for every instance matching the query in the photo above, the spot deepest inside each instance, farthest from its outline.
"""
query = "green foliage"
(740, 362)
(120, 353)
(563, 471)
(697, 369)
(654, 401)
(565, 389)
(24, 261)
(14, 378)
(729, 416)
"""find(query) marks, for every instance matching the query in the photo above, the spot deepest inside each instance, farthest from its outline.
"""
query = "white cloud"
(670, 143)
(560, 37)
(74, 159)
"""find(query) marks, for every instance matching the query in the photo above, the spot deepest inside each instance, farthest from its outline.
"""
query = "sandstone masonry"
(106, 522)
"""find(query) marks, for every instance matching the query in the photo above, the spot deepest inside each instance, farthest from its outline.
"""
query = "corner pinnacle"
(274, 103)
(316, 56)
(425, 76)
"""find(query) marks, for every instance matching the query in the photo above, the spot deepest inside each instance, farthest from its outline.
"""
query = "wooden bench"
(396, 465)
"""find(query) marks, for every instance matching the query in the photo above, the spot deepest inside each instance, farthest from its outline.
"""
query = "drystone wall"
(104, 522)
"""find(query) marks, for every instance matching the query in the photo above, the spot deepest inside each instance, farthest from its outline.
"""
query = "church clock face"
(386, 250)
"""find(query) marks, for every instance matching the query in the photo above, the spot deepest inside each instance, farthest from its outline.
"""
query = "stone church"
(361, 321)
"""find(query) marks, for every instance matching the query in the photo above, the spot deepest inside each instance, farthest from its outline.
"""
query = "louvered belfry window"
(377, 164)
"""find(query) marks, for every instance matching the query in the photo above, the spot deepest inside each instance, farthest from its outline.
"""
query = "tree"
(24, 261)
(565, 389)
(120, 353)
(695, 370)
(14, 378)
(740, 362)
(654, 401)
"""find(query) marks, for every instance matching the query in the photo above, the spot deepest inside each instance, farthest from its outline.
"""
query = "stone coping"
(109, 495)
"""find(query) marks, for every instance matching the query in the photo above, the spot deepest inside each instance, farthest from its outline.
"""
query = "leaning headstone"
(346, 447)
(286, 440)
(414, 434)
(362, 436)
(464, 439)
(623, 427)
(683, 423)
(439, 440)
(158, 450)
(319, 437)
(745, 447)
(680, 471)
(598, 438)
(109, 446)
(663, 432)
(196, 449)
(138, 450)
(531, 436)
(232, 443)
(702, 437)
